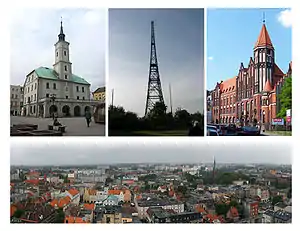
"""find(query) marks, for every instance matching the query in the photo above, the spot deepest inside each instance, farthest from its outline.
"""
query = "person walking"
(88, 117)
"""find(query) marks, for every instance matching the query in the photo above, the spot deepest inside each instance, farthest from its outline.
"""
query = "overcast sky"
(108, 152)
(179, 36)
(34, 33)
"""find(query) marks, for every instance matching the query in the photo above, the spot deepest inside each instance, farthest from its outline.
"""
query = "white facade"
(58, 90)
(16, 99)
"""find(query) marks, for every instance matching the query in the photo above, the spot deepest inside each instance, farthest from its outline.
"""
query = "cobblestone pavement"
(75, 126)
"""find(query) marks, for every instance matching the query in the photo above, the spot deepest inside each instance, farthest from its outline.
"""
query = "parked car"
(217, 127)
(249, 131)
(212, 130)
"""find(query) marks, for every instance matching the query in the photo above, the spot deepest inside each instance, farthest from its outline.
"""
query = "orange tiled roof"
(268, 86)
(72, 219)
(89, 206)
(234, 212)
(13, 209)
(61, 202)
(228, 85)
(73, 192)
(263, 38)
(114, 192)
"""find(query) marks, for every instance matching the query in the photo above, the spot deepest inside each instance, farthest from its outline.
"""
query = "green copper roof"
(48, 73)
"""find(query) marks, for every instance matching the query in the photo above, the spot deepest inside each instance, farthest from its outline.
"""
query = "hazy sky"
(34, 33)
(179, 36)
(108, 152)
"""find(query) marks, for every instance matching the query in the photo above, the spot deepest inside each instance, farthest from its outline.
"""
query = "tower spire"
(61, 36)
(264, 18)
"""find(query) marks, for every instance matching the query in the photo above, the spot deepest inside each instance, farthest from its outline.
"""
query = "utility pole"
(112, 97)
(171, 99)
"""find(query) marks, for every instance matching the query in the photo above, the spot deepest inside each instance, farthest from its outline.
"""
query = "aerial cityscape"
(159, 52)
(54, 101)
(257, 99)
(202, 189)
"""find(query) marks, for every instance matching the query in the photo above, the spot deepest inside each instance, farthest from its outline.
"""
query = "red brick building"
(252, 95)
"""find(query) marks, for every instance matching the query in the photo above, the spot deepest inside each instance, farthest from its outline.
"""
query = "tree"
(18, 213)
(277, 199)
(158, 116)
(221, 209)
(285, 97)
(182, 117)
(289, 194)
(60, 216)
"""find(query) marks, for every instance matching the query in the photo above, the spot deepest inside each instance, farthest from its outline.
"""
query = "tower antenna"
(171, 99)
(154, 93)
(264, 18)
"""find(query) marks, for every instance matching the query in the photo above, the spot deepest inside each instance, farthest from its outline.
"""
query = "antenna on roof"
(264, 18)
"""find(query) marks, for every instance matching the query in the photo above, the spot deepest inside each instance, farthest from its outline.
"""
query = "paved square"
(75, 126)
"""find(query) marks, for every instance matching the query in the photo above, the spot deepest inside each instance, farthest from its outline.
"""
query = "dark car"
(249, 131)
(231, 128)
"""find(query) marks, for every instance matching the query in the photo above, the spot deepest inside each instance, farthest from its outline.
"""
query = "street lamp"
(52, 98)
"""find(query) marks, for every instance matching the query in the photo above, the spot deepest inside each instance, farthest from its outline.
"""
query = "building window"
(47, 85)
(31, 87)
(65, 53)
(16, 96)
(34, 97)
(12, 96)
(82, 89)
(77, 88)
(67, 89)
(56, 54)
(47, 95)
(35, 86)
(67, 97)
(83, 97)
(33, 108)
(66, 68)
(66, 76)
(54, 86)
(77, 97)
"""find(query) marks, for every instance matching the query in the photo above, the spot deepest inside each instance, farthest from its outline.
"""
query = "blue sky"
(232, 33)
(179, 38)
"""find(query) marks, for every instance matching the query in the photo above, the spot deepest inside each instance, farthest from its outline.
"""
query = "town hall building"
(252, 95)
(57, 90)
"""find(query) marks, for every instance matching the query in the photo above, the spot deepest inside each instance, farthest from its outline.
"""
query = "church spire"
(61, 36)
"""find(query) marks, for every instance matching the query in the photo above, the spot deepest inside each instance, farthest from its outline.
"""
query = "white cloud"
(34, 33)
(285, 17)
(210, 58)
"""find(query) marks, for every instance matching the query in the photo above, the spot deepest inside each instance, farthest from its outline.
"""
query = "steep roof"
(228, 85)
(268, 86)
(48, 73)
(263, 38)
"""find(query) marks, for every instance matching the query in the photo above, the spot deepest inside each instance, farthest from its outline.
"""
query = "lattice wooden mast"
(154, 93)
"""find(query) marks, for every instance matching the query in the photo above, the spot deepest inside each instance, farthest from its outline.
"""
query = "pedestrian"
(88, 117)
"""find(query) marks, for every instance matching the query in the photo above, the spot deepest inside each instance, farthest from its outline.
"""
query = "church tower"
(62, 64)
(264, 57)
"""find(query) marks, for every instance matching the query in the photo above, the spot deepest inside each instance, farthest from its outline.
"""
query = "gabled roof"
(48, 73)
(268, 86)
(263, 38)
(73, 192)
(277, 70)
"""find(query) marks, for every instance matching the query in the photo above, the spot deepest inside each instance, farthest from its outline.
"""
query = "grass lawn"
(279, 133)
(148, 133)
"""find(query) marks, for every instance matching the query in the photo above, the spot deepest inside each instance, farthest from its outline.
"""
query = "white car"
(212, 131)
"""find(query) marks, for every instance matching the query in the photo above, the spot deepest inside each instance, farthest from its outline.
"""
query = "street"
(75, 126)
(235, 134)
